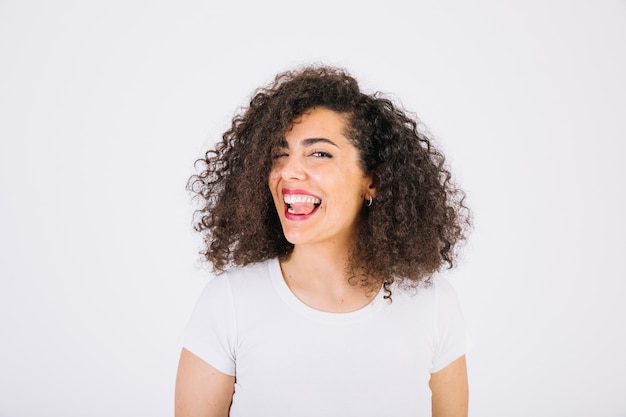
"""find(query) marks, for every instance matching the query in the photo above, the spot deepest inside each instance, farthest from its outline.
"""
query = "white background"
(105, 105)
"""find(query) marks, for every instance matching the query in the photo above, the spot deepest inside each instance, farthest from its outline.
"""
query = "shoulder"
(252, 271)
(248, 273)
(436, 288)
(230, 293)
(427, 302)
(250, 276)
(445, 293)
(242, 281)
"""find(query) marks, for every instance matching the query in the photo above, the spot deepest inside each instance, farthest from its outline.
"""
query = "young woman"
(326, 213)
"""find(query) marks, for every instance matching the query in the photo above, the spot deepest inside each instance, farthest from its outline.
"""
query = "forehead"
(318, 123)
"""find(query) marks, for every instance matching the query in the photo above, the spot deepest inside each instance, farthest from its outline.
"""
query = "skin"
(201, 390)
(450, 392)
(318, 161)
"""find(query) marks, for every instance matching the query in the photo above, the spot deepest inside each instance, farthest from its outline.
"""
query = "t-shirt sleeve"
(211, 331)
(451, 339)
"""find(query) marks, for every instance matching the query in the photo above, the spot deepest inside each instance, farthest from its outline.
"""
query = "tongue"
(302, 208)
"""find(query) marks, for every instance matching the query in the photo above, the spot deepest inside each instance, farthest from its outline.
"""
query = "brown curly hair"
(411, 230)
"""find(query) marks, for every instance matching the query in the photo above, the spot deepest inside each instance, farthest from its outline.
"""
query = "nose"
(292, 168)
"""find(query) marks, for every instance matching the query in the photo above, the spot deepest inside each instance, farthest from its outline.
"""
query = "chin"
(295, 238)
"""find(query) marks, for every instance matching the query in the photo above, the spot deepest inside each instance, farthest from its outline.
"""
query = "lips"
(299, 205)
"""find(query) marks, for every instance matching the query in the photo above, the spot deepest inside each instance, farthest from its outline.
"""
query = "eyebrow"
(308, 142)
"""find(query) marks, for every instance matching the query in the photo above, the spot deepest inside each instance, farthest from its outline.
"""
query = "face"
(317, 183)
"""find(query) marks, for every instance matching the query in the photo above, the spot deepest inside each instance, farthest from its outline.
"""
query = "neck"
(319, 277)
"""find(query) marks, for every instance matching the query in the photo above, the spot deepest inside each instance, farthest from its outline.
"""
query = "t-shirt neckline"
(289, 298)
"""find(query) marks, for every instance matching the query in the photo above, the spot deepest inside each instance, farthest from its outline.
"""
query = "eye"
(279, 154)
(321, 154)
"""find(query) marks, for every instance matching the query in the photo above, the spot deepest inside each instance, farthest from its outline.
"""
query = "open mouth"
(301, 204)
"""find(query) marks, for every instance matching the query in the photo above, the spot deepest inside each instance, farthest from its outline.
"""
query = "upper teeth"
(300, 198)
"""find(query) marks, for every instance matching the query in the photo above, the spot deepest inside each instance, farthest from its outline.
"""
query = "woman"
(328, 212)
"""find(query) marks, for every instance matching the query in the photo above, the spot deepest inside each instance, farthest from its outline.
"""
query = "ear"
(370, 193)
(371, 190)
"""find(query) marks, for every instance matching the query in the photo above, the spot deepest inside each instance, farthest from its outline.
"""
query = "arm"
(450, 390)
(201, 390)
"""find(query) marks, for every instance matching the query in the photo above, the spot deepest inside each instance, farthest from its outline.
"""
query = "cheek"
(272, 177)
(272, 183)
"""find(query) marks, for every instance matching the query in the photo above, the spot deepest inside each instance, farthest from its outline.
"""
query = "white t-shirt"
(294, 361)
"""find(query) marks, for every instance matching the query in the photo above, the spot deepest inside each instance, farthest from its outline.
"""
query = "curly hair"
(418, 217)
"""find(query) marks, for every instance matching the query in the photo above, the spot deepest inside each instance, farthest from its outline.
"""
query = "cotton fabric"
(292, 360)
